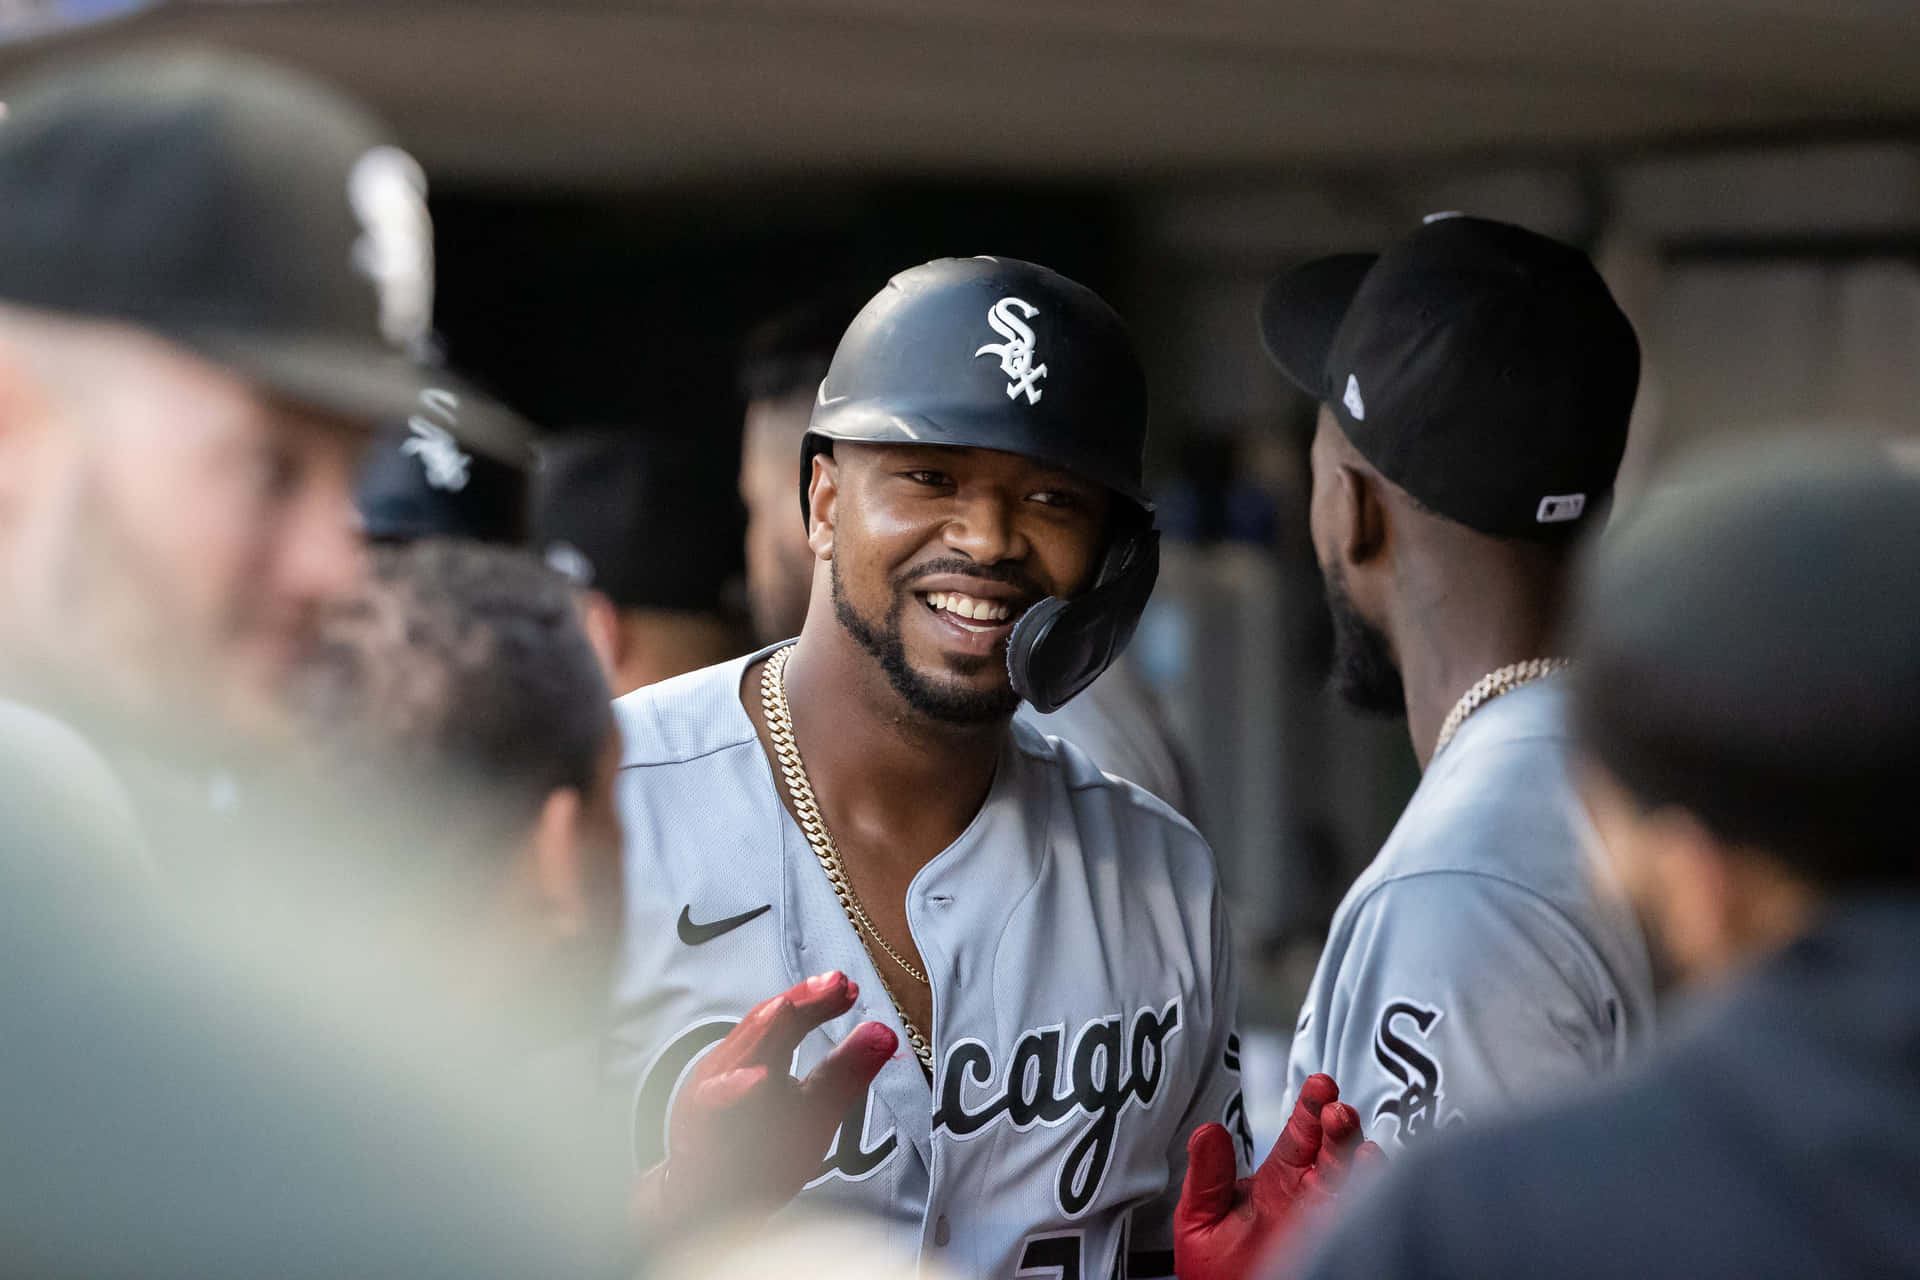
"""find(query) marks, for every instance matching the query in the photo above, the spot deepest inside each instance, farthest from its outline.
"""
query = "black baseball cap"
(1483, 368)
(421, 480)
(1746, 650)
(243, 211)
(644, 517)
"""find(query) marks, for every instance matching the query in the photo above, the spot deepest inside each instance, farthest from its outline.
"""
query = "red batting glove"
(744, 1135)
(1225, 1225)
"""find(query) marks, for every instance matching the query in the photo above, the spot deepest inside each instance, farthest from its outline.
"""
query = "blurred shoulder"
(58, 791)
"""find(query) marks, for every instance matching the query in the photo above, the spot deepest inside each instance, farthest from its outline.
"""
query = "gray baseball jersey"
(1118, 722)
(1083, 990)
(1485, 958)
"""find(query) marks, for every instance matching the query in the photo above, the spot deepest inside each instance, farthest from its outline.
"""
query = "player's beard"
(1364, 674)
(885, 642)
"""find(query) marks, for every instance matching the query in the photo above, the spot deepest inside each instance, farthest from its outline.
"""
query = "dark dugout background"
(590, 310)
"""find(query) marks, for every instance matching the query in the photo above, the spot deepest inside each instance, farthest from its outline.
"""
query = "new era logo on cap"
(1355, 405)
(570, 562)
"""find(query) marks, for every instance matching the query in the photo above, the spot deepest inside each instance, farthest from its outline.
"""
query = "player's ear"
(822, 491)
(600, 619)
(1363, 514)
(558, 849)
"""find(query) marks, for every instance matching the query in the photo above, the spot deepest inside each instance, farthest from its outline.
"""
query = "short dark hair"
(468, 661)
(1746, 650)
(789, 352)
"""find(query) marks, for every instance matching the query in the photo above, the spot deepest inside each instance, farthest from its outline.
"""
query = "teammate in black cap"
(214, 279)
(611, 513)
(1476, 381)
(1745, 702)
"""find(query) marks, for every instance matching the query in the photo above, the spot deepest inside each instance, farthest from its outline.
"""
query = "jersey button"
(942, 1231)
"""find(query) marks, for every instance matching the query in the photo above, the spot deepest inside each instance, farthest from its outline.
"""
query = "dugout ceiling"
(643, 92)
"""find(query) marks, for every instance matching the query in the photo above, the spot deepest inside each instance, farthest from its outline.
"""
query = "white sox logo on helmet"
(1016, 353)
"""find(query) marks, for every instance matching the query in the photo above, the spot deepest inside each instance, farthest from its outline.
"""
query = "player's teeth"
(968, 606)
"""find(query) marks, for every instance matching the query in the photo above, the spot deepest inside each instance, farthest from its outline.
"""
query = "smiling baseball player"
(1047, 940)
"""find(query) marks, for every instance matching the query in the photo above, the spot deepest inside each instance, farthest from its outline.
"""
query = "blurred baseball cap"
(420, 481)
(1745, 650)
(1483, 368)
(243, 211)
(643, 517)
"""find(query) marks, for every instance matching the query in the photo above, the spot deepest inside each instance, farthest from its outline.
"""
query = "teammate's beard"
(1363, 671)
(884, 641)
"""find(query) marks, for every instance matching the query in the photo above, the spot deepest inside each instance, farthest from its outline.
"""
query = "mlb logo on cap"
(1556, 508)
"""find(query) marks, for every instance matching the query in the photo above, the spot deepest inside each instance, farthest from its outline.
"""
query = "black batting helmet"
(993, 353)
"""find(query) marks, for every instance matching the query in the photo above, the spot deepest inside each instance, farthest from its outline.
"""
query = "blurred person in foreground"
(1747, 700)
(1117, 720)
(211, 270)
(1475, 383)
(213, 278)
(457, 694)
(654, 555)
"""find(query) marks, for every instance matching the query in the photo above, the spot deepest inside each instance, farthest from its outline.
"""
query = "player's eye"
(1060, 499)
(932, 479)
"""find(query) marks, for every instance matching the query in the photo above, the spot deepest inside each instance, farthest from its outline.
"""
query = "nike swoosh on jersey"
(695, 934)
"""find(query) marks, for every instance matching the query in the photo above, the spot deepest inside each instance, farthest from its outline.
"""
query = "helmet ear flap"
(1059, 647)
(811, 447)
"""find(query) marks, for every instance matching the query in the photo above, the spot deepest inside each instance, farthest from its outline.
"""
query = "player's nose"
(982, 527)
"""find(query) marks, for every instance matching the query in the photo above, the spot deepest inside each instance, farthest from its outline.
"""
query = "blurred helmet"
(993, 353)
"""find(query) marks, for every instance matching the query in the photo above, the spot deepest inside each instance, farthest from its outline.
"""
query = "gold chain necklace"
(1492, 685)
(773, 701)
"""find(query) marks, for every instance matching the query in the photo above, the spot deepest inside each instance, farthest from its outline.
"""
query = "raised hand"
(1225, 1224)
(744, 1135)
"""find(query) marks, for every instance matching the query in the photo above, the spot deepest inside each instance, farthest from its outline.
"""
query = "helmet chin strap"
(1059, 647)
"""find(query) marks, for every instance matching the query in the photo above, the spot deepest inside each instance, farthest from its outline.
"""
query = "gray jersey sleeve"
(1451, 997)
(1216, 1101)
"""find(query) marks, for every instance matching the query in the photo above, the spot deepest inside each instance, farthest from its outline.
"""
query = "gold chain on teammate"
(1491, 686)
